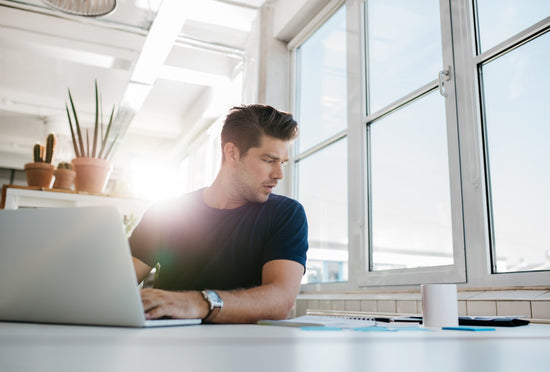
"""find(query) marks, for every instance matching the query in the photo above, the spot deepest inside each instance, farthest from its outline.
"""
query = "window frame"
(455, 273)
(313, 25)
(469, 189)
(477, 191)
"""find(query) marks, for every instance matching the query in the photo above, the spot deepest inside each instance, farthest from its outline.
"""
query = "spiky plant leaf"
(102, 122)
(87, 143)
(76, 152)
(96, 125)
(104, 142)
(77, 124)
(111, 148)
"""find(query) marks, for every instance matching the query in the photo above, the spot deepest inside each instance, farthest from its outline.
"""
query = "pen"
(404, 319)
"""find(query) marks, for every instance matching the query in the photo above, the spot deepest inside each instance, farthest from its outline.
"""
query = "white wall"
(291, 16)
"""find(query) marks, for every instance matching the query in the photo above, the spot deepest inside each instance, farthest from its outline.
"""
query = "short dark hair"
(245, 125)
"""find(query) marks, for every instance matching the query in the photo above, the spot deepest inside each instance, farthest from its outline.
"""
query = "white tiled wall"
(386, 306)
(407, 307)
(540, 309)
(353, 305)
(534, 304)
(506, 307)
(481, 308)
(369, 305)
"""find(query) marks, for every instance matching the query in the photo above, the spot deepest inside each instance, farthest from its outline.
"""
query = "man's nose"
(277, 172)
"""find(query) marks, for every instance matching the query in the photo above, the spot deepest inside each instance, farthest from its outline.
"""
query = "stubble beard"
(249, 192)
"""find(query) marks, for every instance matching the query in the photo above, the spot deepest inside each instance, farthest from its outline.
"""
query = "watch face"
(215, 300)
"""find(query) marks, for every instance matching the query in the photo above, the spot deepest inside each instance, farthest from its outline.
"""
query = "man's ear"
(231, 153)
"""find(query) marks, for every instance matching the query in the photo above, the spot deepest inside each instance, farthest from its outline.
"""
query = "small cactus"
(64, 165)
(38, 151)
(50, 147)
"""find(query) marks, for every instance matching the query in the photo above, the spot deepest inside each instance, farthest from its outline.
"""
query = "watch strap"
(214, 309)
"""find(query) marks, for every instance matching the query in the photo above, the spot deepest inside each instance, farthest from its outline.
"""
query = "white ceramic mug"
(439, 305)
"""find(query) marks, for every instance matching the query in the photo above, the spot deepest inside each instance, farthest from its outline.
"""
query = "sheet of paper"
(323, 321)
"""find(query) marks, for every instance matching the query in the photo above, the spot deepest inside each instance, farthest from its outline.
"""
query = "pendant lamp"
(87, 8)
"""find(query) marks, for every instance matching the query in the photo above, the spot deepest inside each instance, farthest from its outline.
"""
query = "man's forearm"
(248, 306)
(142, 269)
(271, 300)
(240, 306)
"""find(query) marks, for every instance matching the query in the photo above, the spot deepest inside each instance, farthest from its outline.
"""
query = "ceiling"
(171, 68)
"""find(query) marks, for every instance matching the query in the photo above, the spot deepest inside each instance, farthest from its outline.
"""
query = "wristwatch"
(215, 304)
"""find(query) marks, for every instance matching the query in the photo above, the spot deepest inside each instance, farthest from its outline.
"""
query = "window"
(423, 147)
(408, 162)
(321, 156)
(514, 81)
(202, 164)
(498, 20)
(403, 44)
(409, 173)
(322, 190)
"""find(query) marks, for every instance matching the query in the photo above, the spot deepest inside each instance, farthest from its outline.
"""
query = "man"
(232, 252)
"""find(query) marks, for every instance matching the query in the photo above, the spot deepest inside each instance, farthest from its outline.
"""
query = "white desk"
(36, 347)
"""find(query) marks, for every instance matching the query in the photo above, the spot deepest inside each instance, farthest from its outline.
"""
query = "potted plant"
(64, 176)
(91, 163)
(40, 172)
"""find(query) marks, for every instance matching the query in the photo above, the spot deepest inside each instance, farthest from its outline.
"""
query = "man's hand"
(181, 305)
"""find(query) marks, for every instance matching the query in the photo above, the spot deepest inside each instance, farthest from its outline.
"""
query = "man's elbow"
(282, 311)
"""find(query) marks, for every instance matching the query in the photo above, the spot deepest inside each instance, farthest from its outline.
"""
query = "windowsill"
(532, 302)
(511, 294)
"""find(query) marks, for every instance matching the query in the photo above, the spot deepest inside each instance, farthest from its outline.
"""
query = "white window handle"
(444, 75)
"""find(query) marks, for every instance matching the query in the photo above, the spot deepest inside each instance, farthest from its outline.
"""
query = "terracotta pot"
(39, 174)
(63, 178)
(91, 174)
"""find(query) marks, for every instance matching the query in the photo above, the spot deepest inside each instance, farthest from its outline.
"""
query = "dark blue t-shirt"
(204, 247)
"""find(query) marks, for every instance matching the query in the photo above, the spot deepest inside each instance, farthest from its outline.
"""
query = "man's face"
(260, 169)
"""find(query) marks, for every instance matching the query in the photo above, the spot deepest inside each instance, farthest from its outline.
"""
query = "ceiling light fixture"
(87, 8)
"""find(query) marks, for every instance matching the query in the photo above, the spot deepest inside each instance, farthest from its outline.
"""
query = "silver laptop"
(69, 266)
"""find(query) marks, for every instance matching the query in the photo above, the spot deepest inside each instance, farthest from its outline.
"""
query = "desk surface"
(41, 347)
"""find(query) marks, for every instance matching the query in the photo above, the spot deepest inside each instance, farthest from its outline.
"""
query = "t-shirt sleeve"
(146, 239)
(147, 242)
(289, 238)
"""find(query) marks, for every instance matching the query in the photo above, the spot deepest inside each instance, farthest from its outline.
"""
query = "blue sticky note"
(468, 328)
(375, 329)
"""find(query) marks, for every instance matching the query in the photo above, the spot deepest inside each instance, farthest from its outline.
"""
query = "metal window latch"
(444, 75)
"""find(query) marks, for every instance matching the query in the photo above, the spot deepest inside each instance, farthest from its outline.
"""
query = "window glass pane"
(410, 204)
(518, 136)
(404, 48)
(322, 190)
(321, 96)
(499, 20)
